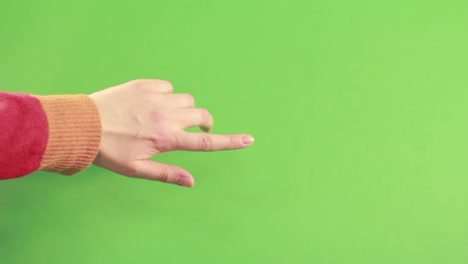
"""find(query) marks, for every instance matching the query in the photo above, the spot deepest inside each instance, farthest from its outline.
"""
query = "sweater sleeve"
(59, 133)
(23, 134)
(74, 133)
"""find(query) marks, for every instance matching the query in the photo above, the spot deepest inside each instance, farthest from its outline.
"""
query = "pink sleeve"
(23, 134)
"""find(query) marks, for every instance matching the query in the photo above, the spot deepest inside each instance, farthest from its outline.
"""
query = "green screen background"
(359, 110)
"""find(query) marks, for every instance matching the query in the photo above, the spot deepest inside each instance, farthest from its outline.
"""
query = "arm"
(118, 128)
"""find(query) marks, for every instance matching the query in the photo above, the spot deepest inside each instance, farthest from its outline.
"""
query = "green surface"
(359, 109)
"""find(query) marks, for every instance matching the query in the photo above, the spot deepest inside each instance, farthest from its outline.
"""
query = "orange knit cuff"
(74, 133)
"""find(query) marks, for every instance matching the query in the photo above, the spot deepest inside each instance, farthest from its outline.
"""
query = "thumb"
(157, 171)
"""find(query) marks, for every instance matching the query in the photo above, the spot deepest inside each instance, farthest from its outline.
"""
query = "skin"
(144, 118)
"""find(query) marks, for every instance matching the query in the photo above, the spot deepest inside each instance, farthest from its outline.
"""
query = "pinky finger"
(153, 170)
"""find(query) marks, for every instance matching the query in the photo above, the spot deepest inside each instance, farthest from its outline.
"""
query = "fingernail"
(247, 140)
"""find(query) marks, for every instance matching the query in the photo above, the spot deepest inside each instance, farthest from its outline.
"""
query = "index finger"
(212, 142)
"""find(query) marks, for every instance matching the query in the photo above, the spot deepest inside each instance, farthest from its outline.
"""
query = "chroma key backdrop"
(359, 110)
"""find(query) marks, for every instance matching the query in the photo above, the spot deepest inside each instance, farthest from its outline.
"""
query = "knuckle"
(148, 101)
(162, 141)
(148, 85)
(206, 143)
(190, 99)
(165, 84)
(138, 82)
(159, 116)
(233, 142)
(164, 175)
(205, 115)
(140, 85)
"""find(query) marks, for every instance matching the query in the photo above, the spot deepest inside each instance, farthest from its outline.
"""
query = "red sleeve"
(23, 134)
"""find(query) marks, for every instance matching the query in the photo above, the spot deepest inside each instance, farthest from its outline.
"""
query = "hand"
(143, 118)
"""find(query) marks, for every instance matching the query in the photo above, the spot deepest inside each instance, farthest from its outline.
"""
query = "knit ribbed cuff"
(74, 133)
